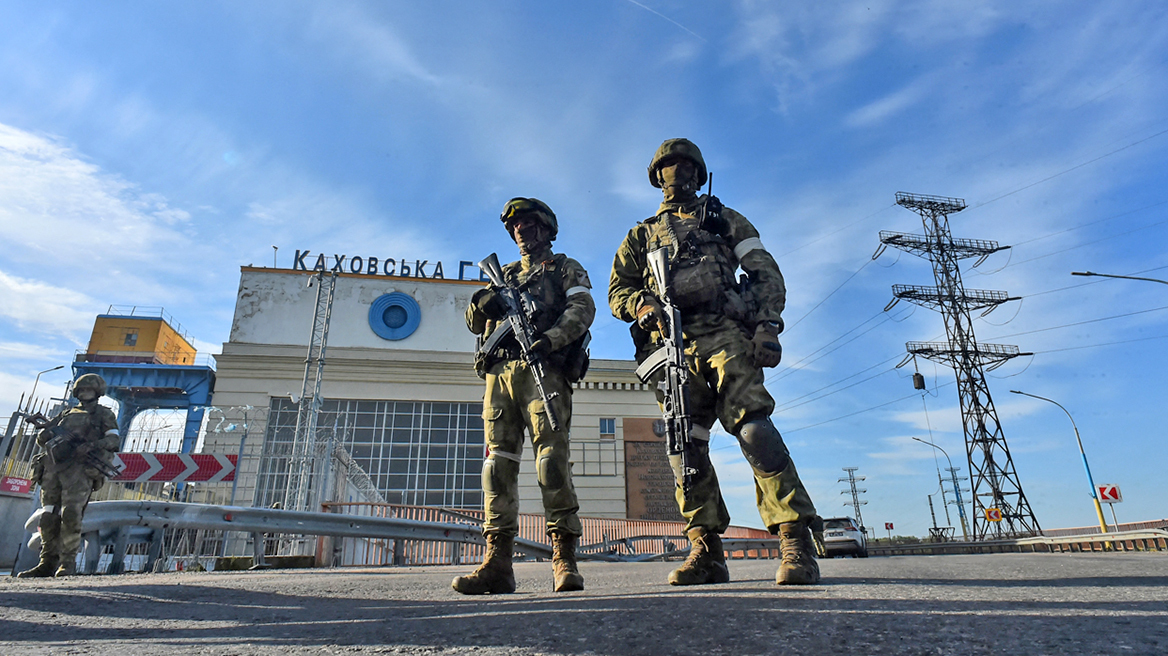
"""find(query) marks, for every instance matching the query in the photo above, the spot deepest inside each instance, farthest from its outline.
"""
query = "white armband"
(747, 245)
(579, 289)
(112, 431)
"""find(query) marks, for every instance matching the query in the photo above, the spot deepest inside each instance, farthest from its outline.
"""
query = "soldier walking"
(67, 476)
(563, 310)
(731, 334)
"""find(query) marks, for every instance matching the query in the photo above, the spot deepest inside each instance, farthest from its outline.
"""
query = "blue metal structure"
(138, 387)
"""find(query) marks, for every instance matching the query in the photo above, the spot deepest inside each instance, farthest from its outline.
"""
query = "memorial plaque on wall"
(648, 477)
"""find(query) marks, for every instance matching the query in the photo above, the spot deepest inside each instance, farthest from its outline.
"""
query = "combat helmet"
(519, 205)
(90, 381)
(673, 149)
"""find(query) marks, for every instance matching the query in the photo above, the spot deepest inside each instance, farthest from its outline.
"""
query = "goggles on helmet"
(517, 206)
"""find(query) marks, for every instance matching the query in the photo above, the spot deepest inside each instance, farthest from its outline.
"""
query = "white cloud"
(360, 38)
(880, 110)
(25, 351)
(37, 306)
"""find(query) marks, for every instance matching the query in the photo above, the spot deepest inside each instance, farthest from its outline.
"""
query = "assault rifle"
(521, 309)
(63, 437)
(675, 384)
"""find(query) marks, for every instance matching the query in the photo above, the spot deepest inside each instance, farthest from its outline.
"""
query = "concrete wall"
(275, 306)
(14, 512)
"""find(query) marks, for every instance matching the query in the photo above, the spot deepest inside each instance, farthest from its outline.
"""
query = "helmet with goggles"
(517, 207)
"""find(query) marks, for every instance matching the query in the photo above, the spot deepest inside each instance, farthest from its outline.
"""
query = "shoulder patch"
(582, 279)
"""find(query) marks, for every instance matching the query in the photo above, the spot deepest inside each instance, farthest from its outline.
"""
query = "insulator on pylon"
(918, 381)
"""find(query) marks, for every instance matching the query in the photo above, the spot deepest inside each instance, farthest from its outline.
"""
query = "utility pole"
(855, 503)
(303, 459)
(995, 482)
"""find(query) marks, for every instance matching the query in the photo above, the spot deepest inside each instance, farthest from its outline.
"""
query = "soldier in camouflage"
(731, 331)
(562, 291)
(67, 480)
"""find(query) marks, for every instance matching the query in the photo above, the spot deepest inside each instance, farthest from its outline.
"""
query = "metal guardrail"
(113, 522)
(1124, 541)
(122, 523)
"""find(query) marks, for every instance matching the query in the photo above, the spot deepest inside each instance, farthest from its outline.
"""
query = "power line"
(1080, 323)
(791, 368)
(789, 406)
(838, 230)
(1073, 168)
(841, 286)
(1079, 348)
(1089, 223)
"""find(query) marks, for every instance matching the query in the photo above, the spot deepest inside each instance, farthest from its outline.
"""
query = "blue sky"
(149, 150)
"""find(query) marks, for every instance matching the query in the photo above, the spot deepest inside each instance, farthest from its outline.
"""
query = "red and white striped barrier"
(174, 467)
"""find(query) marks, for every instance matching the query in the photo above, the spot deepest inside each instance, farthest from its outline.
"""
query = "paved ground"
(995, 604)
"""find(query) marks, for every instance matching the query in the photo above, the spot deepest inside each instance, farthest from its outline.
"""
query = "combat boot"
(43, 569)
(567, 577)
(68, 567)
(798, 566)
(706, 562)
(495, 575)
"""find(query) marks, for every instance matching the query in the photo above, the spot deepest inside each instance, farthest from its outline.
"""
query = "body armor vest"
(545, 284)
(702, 266)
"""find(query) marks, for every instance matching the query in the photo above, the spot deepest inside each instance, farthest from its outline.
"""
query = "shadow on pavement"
(753, 620)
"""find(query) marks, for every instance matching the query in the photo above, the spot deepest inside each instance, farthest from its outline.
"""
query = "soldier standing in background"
(562, 296)
(67, 476)
(731, 334)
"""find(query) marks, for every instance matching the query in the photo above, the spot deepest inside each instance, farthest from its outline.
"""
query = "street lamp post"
(956, 488)
(1112, 275)
(28, 404)
(1086, 467)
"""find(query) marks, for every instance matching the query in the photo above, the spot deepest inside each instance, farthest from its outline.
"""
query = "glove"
(490, 303)
(766, 350)
(651, 316)
(541, 346)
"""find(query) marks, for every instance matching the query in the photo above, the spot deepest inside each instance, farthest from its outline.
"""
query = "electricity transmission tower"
(855, 503)
(995, 483)
(303, 461)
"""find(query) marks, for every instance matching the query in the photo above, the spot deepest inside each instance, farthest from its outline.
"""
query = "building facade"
(402, 400)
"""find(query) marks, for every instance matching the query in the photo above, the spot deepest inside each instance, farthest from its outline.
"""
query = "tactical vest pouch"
(576, 358)
(697, 282)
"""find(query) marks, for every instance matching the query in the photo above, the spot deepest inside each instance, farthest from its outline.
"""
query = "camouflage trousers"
(67, 490)
(511, 406)
(726, 386)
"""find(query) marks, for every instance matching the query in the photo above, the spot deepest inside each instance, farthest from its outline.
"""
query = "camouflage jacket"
(562, 290)
(100, 429)
(740, 246)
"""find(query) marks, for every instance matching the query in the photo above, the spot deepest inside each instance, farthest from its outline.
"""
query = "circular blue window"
(394, 316)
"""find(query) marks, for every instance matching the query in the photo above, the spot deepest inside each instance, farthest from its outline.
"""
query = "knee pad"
(493, 479)
(551, 473)
(763, 446)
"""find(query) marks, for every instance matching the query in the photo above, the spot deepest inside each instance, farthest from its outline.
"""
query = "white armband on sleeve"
(579, 289)
(112, 431)
(747, 245)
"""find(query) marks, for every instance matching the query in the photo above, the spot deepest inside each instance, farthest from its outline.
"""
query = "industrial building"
(401, 400)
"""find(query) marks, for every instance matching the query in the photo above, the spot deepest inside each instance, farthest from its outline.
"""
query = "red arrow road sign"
(1109, 493)
(993, 514)
(175, 467)
(887, 526)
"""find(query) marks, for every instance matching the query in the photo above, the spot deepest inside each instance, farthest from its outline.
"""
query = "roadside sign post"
(1111, 495)
(993, 514)
(888, 527)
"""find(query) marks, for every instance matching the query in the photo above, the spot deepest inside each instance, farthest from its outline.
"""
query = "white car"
(842, 536)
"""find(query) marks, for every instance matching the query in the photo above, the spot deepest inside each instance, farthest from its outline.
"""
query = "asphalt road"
(1032, 604)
